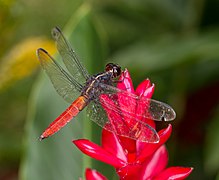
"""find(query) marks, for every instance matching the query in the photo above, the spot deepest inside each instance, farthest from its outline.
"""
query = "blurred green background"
(174, 43)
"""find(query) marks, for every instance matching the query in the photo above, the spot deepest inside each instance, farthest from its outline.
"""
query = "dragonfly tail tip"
(41, 138)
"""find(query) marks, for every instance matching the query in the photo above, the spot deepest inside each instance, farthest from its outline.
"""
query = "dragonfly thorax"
(95, 85)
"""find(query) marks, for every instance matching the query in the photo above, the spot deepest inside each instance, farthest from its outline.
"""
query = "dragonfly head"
(115, 69)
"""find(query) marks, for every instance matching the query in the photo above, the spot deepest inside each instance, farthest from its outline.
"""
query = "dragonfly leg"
(117, 81)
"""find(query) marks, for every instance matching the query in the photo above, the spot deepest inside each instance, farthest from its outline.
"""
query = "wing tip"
(56, 32)
(39, 51)
(42, 54)
(154, 139)
(171, 115)
(174, 116)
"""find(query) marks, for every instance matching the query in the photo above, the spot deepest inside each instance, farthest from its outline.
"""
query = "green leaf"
(46, 159)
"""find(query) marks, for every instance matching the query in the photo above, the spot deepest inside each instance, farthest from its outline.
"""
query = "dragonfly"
(111, 108)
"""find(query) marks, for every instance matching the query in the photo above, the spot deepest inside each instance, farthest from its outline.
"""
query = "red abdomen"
(65, 117)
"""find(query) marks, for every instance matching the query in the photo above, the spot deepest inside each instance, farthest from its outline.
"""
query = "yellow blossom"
(21, 60)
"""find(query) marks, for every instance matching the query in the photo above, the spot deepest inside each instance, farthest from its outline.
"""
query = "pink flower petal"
(117, 124)
(142, 111)
(126, 103)
(129, 146)
(97, 152)
(142, 87)
(128, 108)
(111, 143)
(149, 92)
(155, 164)
(94, 175)
(146, 149)
(126, 83)
(133, 111)
(129, 172)
(174, 173)
(145, 90)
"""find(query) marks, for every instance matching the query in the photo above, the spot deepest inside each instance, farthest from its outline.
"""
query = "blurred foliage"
(174, 43)
(18, 63)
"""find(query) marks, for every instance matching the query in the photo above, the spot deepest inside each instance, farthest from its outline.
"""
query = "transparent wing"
(126, 114)
(65, 85)
(69, 57)
(115, 121)
(138, 107)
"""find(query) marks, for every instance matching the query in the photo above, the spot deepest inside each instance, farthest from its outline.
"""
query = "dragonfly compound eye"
(109, 67)
(116, 70)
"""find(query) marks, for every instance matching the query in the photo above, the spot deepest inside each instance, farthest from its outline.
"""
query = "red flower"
(94, 175)
(133, 159)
